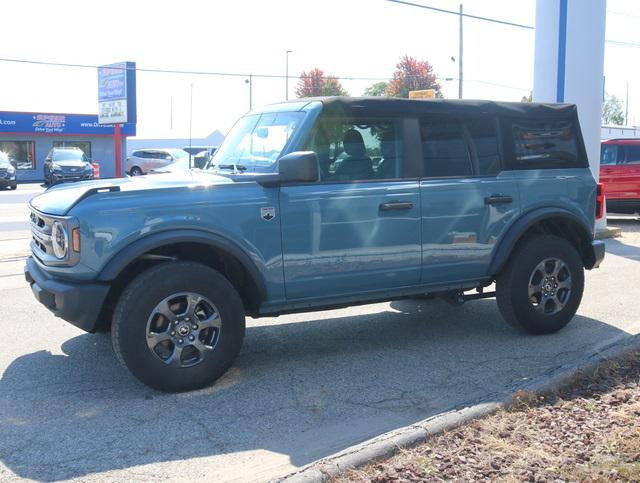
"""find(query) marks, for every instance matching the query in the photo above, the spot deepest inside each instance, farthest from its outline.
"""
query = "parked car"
(144, 160)
(465, 194)
(7, 172)
(620, 174)
(66, 164)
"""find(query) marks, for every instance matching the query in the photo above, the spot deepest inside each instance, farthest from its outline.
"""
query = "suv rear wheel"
(540, 289)
(178, 326)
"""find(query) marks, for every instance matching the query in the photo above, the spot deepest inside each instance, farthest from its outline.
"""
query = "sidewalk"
(14, 248)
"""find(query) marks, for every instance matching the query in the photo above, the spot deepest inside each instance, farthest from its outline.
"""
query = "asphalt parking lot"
(305, 386)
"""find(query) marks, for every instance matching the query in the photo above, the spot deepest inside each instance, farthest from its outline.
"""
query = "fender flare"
(526, 221)
(139, 247)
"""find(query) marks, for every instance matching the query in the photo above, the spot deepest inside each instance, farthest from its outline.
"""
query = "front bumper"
(62, 177)
(594, 255)
(79, 303)
(6, 182)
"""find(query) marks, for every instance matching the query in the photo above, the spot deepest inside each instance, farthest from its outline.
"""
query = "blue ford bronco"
(324, 203)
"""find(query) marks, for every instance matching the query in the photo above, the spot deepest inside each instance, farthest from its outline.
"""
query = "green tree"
(412, 75)
(315, 83)
(612, 113)
(378, 89)
(528, 98)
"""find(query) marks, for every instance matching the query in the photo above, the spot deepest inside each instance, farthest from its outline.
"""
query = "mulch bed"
(587, 431)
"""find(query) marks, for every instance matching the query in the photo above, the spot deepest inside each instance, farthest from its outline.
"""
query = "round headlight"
(59, 240)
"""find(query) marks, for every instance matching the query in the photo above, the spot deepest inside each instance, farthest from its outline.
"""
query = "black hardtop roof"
(391, 105)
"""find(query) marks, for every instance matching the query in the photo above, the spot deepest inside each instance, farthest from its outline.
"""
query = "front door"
(358, 228)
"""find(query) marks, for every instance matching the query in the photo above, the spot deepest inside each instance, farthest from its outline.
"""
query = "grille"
(41, 234)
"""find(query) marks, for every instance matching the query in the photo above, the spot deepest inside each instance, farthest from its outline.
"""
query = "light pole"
(461, 49)
(250, 82)
(286, 76)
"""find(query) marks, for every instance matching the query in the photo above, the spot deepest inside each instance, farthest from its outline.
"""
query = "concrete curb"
(389, 443)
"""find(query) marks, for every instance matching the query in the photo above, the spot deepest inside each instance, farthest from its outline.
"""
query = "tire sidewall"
(140, 299)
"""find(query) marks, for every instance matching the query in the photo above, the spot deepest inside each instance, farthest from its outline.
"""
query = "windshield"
(69, 155)
(178, 153)
(255, 142)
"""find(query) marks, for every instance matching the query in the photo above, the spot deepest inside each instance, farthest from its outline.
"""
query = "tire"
(133, 323)
(554, 299)
(13, 187)
(135, 171)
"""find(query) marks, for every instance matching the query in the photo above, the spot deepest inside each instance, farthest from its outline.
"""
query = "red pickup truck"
(620, 174)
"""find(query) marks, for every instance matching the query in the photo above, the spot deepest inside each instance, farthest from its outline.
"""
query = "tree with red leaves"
(412, 75)
(316, 83)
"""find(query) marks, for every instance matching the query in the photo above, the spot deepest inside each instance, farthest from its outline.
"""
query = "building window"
(85, 146)
(21, 153)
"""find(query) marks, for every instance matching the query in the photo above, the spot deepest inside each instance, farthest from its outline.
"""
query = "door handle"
(497, 199)
(396, 206)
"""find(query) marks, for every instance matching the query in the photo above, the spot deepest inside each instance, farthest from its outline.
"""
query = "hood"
(71, 163)
(59, 199)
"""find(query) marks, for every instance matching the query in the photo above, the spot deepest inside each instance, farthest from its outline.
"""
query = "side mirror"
(299, 166)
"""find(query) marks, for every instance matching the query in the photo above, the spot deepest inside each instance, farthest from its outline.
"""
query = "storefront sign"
(117, 93)
(58, 124)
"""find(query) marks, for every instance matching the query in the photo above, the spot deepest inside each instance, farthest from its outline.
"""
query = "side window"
(350, 150)
(609, 154)
(632, 155)
(444, 149)
(484, 139)
(137, 154)
(544, 144)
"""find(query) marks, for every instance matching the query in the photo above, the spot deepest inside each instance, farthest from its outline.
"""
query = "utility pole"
(460, 41)
(626, 108)
(190, 121)
(250, 82)
(286, 76)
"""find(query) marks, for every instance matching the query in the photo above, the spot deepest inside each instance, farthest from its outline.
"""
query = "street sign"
(117, 93)
(423, 94)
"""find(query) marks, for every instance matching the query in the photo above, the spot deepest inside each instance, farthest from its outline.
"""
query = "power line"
(468, 15)
(236, 74)
(512, 24)
(622, 43)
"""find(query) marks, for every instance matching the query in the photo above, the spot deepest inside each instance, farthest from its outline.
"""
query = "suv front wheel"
(540, 289)
(178, 326)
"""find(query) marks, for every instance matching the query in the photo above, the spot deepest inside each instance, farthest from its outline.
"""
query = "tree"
(378, 89)
(528, 98)
(412, 75)
(612, 113)
(316, 83)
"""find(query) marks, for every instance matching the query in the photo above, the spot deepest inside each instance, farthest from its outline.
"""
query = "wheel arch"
(556, 221)
(210, 249)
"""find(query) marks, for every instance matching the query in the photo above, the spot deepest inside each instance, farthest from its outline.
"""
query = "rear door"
(468, 201)
(358, 228)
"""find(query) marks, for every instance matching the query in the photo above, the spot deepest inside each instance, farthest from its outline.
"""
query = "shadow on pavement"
(300, 389)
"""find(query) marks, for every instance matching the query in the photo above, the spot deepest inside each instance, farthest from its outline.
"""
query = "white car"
(143, 161)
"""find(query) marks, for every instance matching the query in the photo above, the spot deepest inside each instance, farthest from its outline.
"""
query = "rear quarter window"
(545, 144)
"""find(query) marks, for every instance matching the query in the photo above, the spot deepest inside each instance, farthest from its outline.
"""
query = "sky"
(345, 38)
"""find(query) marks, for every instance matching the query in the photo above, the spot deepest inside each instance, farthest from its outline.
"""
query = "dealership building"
(27, 138)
